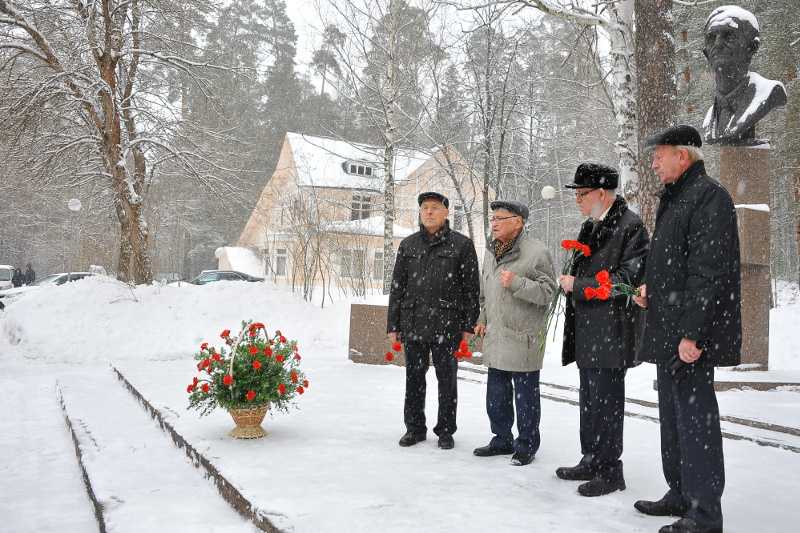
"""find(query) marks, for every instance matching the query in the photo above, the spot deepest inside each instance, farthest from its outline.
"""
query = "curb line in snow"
(87, 483)
(644, 403)
(230, 494)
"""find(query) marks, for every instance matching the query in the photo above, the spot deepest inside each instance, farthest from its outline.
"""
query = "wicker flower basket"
(248, 422)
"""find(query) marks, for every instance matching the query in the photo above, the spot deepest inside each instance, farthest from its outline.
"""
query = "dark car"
(47, 281)
(210, 276)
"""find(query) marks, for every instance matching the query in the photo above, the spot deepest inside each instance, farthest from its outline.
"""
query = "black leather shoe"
(411, 438)
(579, 472)
(446, 442)
(687, 525)
(599, 486)
(663, 507)
(521, 458)
(489, 451)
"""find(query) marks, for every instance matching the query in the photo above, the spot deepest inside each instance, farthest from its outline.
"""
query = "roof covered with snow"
(320, 160)
(372, 226)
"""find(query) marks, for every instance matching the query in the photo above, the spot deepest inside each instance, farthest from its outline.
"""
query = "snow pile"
(99, 319)
(242, 260)
(727, 16)
(784, 344)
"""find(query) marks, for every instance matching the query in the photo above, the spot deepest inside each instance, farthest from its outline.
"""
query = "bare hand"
(688, 351)
(641, 300)
(567, 282)
(480, 330)
(466, 335)
(506, 277)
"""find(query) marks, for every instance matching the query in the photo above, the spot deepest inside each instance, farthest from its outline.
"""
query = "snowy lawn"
(334, 464)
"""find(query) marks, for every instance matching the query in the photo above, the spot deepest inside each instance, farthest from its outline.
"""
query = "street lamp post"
(548, 193)
(74, 205)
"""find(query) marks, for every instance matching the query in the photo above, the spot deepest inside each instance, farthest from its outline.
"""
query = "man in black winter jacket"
(600, 334)
(433, 305)
(693, 324)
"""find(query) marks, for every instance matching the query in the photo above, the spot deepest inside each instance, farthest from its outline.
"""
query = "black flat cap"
(430, 195)
(682, 135)
(512, 206)
(595, 176)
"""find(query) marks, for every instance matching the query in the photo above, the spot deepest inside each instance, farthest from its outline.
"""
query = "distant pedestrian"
(433, 305)
(30, 275)
(18, 279)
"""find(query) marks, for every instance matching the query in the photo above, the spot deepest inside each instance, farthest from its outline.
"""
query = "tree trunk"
(657, 93)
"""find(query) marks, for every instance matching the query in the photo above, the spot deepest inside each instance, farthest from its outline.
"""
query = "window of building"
(280, 261)
(361, 206)
(377, 265)
(357, 168)
(352, 263)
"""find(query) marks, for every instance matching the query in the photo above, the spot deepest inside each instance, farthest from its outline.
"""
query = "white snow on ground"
(334, 464)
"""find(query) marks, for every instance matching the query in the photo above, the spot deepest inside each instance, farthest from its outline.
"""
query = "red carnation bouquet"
(250, 369)
(575, 249)
(606, 289)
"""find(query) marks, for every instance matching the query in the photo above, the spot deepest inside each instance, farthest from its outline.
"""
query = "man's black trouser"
(417, 362)
(691, 441)
(602, 412)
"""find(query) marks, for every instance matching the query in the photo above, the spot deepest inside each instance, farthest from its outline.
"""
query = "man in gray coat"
(517, 284)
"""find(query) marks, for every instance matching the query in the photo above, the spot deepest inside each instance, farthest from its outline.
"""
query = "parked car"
(210, 276)
(6, 273)
(47, 281)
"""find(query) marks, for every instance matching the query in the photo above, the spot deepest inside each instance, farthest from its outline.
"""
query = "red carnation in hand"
(585, 250)
(282, 388)
(397, 347)
(389, 356)
(279, 358)
(190, 388)
(603, 277)
(568, 244)
(205, 387)
(293, 376)
(216, 357)
(589, 293)
(228, 379)
(305, 383)
(300, 390)
(253, 350)
(203, 346)
(251, 395)
(225, 333)
(603, 292)
(256, 364)
(282, 339)
(268, 351)
(297, 357)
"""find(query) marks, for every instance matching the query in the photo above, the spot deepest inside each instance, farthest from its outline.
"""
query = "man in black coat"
(693, 324)
(17, 279)
(599, 335)
(433, 305)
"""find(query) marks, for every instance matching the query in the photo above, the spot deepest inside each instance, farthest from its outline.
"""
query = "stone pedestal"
(744, 171)
(368, 342)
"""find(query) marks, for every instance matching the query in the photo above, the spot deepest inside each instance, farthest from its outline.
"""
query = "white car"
(6, 273)
(48, 281)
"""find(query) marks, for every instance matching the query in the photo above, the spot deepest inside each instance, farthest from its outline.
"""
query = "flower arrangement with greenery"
(250, 369)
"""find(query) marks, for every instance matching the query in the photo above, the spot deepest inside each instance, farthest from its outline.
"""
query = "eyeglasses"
(499, 219)
(579, 195)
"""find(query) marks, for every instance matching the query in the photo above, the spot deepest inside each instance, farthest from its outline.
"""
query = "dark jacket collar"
(599, 231)
(697, 169)
(437, 237)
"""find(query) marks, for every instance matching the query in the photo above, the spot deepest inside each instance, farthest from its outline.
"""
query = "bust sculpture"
(742, 98)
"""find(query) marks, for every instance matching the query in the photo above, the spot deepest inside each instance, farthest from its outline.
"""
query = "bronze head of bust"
(742, 98)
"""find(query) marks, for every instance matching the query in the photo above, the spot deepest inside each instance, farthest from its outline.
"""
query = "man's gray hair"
(695, 153)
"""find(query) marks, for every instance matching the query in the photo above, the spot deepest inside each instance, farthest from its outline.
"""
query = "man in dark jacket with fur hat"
(599, 334)
(433, 305)
(693, 324)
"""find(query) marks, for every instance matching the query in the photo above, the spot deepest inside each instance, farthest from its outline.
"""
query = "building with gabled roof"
(319, 220)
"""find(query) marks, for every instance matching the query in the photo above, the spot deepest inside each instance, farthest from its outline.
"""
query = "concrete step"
(138, 479)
